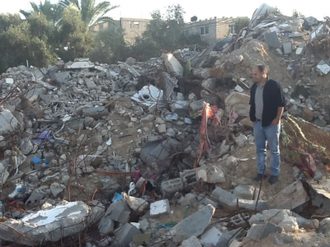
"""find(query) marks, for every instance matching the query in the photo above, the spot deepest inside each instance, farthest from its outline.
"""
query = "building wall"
(133, 28)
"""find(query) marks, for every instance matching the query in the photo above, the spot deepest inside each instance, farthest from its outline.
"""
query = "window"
(205, 30)
(232, 28)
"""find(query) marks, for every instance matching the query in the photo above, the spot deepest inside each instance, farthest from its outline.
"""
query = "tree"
(297, 14)
(52, 12)
(110, 46)
(26, 41)
(241, 22)
(91, 13)
(7, 20)
(74, 40)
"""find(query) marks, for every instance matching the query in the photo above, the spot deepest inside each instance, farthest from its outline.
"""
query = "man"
(266, 108)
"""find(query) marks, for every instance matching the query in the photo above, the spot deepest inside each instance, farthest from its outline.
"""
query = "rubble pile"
(161, 153)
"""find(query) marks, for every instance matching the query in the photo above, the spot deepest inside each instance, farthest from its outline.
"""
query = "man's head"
(260, 73)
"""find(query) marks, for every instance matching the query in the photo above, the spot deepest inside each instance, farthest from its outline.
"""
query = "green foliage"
(7, 20)
(91, 13)
(241, 22)
(26, 41)
(163, 32)
(110, 46)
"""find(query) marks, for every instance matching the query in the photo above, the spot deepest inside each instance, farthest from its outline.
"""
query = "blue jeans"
(271, 134)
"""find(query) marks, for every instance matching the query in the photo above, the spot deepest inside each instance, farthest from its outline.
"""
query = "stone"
(47, 225)
(141, 239)
(307, 114)
(209, 83)
(160, 207)
(172, 64)
(305, 223)
(56, 189)
(211, 174)
(89, 121)
(189, 200)
(161, 128)
(289, 224)
(131, 61)
(320, 122)
(261, 231)
(291, 197)
(244, 191)
(95, 112)
(61, 77)
(274, 216)
(144, 224)
(135, 203)
(26, 146)
(211, 237)
(188, 227)
(106, 225)
(241, 140)
(238, 102)
(148, 118)
(227, 237)
(325, 227)
(196, 106)
(231, 161)
(8, 123)
(124, 235)
(191, 242)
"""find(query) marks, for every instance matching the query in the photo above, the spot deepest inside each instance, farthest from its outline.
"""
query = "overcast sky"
(203, 9)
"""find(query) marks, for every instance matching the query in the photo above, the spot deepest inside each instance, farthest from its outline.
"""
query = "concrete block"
(257, 219)
(244, 191)
(259, 232)
(160, 207)
(289, 198)
(239, 102)
(172, 186)
(172, 64)
(191, 242)
(211, 237)
(287, 47)
(194, 225)
(124, 235)
(188, 177)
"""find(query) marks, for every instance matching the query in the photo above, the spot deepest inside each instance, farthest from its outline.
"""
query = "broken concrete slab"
(79, 63)
(124, 235)
(172, 64)
(106, 225)
(188, 227)
(61, 77)
(272, 40)
(323, 67)
(211, 237)
(289, 198)
(244, 191)
(160, 207)
(8, 123)
(95, 112)
(274, 216)
(64, 220)
(289, 224)
(227, 237)
(259, 232)
(142, 239)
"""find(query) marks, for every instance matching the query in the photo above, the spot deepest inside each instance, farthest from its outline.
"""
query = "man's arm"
(280, 111)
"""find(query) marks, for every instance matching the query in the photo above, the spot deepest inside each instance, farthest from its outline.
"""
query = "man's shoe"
(272, 179)
(259, 177)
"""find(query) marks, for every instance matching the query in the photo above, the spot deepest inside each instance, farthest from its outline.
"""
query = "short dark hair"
(262, 68)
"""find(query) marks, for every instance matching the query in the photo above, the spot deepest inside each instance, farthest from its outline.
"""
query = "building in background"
(210, 30)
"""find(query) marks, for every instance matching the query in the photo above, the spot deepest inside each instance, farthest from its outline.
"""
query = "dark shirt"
(273, 97)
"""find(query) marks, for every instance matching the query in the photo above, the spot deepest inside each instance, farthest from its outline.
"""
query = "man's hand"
(276, 121)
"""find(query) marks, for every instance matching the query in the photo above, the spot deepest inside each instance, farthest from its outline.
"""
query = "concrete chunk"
(118, 211)
(172, 64)
(191, 242)
(210, 174)
(160, 207)
(272, 40)
(106, 225)
(8, 123)
(124, 235)
(211, 237)
(287, 47)
(194, 225)
(289, 198)
(244, 191)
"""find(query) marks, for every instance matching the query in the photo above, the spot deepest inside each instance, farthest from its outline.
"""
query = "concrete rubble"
(149, 153)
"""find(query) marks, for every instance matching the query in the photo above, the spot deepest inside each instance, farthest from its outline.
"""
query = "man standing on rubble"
(266, 108)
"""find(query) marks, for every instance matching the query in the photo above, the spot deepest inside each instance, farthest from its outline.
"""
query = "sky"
(203, 9)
